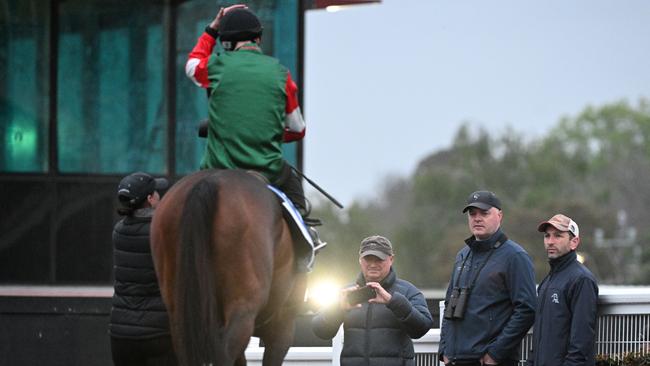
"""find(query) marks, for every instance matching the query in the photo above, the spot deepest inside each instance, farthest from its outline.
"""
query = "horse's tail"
(198, 322)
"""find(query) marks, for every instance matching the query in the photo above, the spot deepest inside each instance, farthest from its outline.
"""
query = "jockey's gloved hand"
(203, 129)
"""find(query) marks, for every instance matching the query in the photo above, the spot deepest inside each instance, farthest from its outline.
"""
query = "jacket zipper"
(460, 274)
(541, 309)
(367, 333)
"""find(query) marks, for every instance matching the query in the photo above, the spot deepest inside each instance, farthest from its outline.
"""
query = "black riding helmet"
(239, 25)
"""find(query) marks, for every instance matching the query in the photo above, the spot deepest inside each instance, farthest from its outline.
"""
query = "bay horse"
(224, 257)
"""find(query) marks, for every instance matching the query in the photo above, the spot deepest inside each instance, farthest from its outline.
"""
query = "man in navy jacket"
(565, 324)
(490, 302)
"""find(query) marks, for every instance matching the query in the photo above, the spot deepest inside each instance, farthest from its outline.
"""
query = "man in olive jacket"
(377, 331)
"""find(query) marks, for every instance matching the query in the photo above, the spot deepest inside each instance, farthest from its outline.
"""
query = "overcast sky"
(387, 84)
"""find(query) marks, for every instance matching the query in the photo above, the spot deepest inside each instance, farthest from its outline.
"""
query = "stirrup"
(318, 243)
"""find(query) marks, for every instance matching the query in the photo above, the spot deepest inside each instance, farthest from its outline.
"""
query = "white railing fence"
(623, 327)
(623, 321)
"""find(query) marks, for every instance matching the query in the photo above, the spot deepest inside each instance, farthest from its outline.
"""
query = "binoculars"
(457, 304)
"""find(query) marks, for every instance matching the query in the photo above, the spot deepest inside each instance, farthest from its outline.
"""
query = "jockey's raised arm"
(253, 105)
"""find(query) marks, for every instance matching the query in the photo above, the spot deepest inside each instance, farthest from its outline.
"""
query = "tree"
(590, 168)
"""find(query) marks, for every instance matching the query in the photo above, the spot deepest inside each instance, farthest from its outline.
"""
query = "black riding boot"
(290, 184)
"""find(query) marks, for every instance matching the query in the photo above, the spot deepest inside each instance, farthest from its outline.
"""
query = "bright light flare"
(323, 293)
(333, 8)
(581, 258)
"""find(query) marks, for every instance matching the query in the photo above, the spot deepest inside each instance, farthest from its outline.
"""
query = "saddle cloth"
(304, 245)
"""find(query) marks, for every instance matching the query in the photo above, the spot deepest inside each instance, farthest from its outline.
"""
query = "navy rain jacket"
(501, 306)
(565, 326)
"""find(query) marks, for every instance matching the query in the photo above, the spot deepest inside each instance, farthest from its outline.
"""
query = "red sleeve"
(294, 128)
(290, 136)
(292, 94)
(196, 67)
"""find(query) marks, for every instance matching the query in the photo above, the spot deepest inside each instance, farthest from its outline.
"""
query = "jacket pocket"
(479, 325)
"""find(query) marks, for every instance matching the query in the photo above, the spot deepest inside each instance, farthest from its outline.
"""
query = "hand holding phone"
(361, 295)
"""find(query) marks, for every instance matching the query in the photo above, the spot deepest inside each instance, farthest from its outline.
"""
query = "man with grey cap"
(380, 313)
(565, 322)
(490, 301)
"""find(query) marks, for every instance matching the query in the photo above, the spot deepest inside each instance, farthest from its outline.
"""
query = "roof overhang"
(321, 4)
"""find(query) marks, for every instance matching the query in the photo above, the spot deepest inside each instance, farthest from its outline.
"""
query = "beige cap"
(562, 223)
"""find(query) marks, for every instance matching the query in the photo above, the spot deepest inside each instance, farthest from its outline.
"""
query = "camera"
(457, 304)
(360, 295)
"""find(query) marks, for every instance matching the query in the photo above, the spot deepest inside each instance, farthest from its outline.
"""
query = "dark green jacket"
(246, 112)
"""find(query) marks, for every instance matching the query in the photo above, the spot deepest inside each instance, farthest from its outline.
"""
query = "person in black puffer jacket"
(377, 331)
(139, 325)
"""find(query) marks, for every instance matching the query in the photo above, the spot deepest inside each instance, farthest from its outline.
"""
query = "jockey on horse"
(253, 104)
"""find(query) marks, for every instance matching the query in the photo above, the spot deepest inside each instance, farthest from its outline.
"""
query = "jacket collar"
(250, 46)
(386, 283)
(143, 212)
(140, 215)
(483, 245)
(557, 264)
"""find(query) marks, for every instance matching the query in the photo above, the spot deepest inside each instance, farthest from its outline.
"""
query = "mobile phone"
(361, 295)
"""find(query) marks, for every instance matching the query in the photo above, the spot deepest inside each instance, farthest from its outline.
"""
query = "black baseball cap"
(134, 188)
(484, 200)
